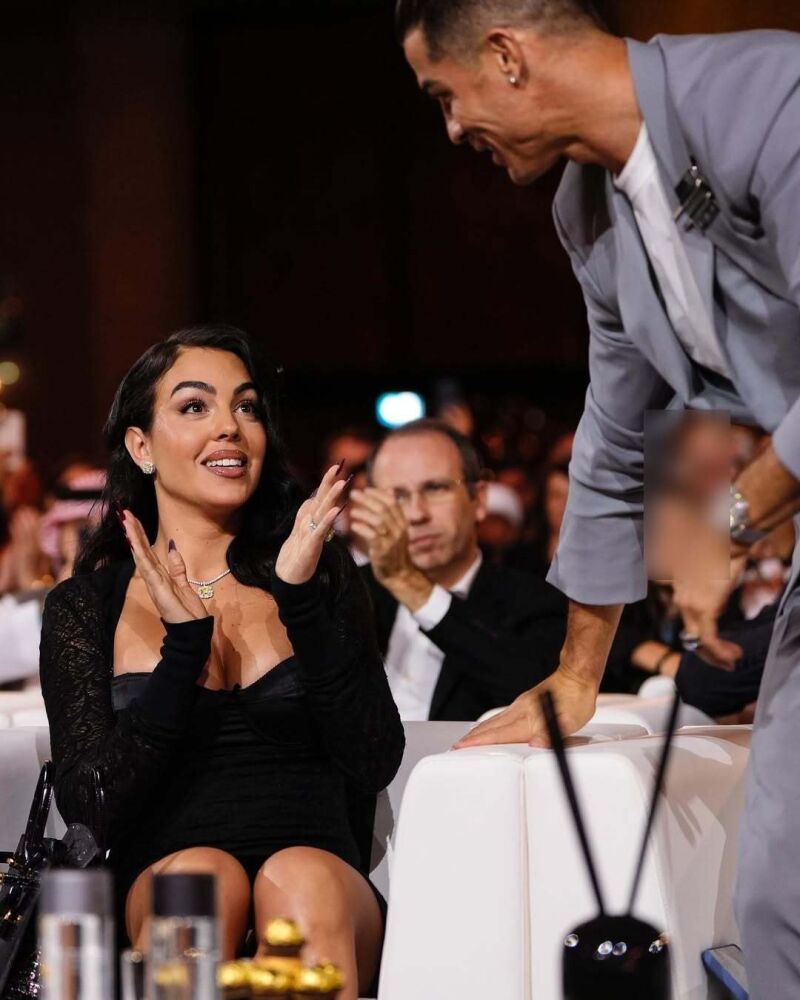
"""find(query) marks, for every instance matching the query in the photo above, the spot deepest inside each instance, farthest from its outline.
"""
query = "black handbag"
(20, 884)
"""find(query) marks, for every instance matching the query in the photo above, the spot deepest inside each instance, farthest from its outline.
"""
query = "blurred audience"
(352, 446)
(544, 527)
(459, 635)
(500, 530)
(63, 527)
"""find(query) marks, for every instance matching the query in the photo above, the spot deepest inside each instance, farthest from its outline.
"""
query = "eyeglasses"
(432, 492)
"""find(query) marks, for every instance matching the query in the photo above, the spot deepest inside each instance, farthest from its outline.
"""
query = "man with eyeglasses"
(459, 636)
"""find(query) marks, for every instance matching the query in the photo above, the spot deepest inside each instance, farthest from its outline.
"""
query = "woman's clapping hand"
(173, 596)
(299, 556)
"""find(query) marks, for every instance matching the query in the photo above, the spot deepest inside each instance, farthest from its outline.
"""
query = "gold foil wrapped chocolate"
(270, 983)
(170, 980)
(279, 963)
(233, 979)
(283, 937)
(318, 981)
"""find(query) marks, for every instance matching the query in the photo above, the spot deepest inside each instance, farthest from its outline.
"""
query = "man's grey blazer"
(732, 104)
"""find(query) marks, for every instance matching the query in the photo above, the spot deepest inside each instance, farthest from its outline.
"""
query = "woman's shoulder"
(84, 593)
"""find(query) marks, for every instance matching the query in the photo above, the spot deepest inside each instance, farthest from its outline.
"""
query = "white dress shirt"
(689, 314)
(413, 661)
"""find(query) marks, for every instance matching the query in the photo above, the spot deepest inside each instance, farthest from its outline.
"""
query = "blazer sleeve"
(129, 749)
(503, 655)
(775, 188)
(600, 553)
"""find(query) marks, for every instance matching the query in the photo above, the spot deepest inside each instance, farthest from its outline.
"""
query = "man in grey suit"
(680, 210)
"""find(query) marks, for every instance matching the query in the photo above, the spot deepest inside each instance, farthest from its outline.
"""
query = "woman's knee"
(312, 883)
(232, 886)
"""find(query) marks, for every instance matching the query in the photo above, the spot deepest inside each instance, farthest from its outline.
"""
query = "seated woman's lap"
(333, 903)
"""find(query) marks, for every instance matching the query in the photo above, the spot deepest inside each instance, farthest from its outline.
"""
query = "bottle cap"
(73, 890)
(184, 895)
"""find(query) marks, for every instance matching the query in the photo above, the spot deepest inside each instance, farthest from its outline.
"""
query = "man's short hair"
(471, 467)
(456, 24)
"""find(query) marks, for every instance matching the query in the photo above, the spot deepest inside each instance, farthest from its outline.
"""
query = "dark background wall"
(271, 163)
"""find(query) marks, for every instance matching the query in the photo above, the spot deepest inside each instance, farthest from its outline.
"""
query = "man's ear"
(504, 46)
(138, 446)
(480, 499)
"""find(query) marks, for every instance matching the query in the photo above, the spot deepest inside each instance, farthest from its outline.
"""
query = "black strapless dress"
(250, 777)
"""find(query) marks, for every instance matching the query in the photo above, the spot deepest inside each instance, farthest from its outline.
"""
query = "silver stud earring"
(148, 468)
(513, 80)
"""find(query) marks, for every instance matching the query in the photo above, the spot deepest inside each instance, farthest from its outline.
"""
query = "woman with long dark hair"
(212, 665)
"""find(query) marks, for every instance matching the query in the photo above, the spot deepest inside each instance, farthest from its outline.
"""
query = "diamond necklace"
(205, 588)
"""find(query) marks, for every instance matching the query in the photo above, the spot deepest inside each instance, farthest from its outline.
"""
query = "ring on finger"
(689, 640)
(312, 524)
(331, 535)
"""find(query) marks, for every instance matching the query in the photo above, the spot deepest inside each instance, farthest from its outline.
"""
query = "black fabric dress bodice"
(251, 753)
(295, 759)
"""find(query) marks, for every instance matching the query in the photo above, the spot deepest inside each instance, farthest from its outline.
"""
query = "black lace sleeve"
(344, 677)
(127, 749)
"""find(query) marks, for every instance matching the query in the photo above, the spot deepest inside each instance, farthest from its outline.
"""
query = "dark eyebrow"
(205, 387)
(244, 387)
(202, 386)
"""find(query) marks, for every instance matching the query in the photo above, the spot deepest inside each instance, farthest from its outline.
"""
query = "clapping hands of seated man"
(379, 521)
(460, 636)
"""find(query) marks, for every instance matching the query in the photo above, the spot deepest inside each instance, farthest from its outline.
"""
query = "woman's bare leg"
(233, 895)
(335, 908)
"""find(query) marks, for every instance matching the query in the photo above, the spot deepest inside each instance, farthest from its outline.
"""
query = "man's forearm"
(771, 491)
(590, 632)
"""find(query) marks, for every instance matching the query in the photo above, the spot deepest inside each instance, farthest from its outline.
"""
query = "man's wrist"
(583, 676)
(412, 588)
(741, 524)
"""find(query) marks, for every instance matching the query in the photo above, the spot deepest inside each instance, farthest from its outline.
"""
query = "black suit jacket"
(498, 642)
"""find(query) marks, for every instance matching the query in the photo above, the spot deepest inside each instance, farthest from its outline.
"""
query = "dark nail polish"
(339, 467)
(171, 547)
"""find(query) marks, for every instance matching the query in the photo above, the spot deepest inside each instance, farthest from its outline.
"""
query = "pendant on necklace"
(205, 591)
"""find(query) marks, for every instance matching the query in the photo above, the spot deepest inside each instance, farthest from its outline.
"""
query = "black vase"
(616, 958)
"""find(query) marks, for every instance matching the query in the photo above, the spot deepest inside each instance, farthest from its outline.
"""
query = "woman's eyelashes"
(249, 407)
(193, 406)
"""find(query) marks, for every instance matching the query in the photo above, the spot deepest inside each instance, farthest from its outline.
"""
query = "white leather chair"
(457, 924)
(651, 713)
(487, 877)
(688, 879)
(657, 687)
(22, 708)
(20, 628)
(22, 752)
(422, 740)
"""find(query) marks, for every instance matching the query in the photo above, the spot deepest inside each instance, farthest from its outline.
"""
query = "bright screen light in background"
(393, 409)
(9, 372)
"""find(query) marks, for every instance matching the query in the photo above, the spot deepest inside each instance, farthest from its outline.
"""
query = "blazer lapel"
(673, 157)
(481, 593)
(646, 322)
